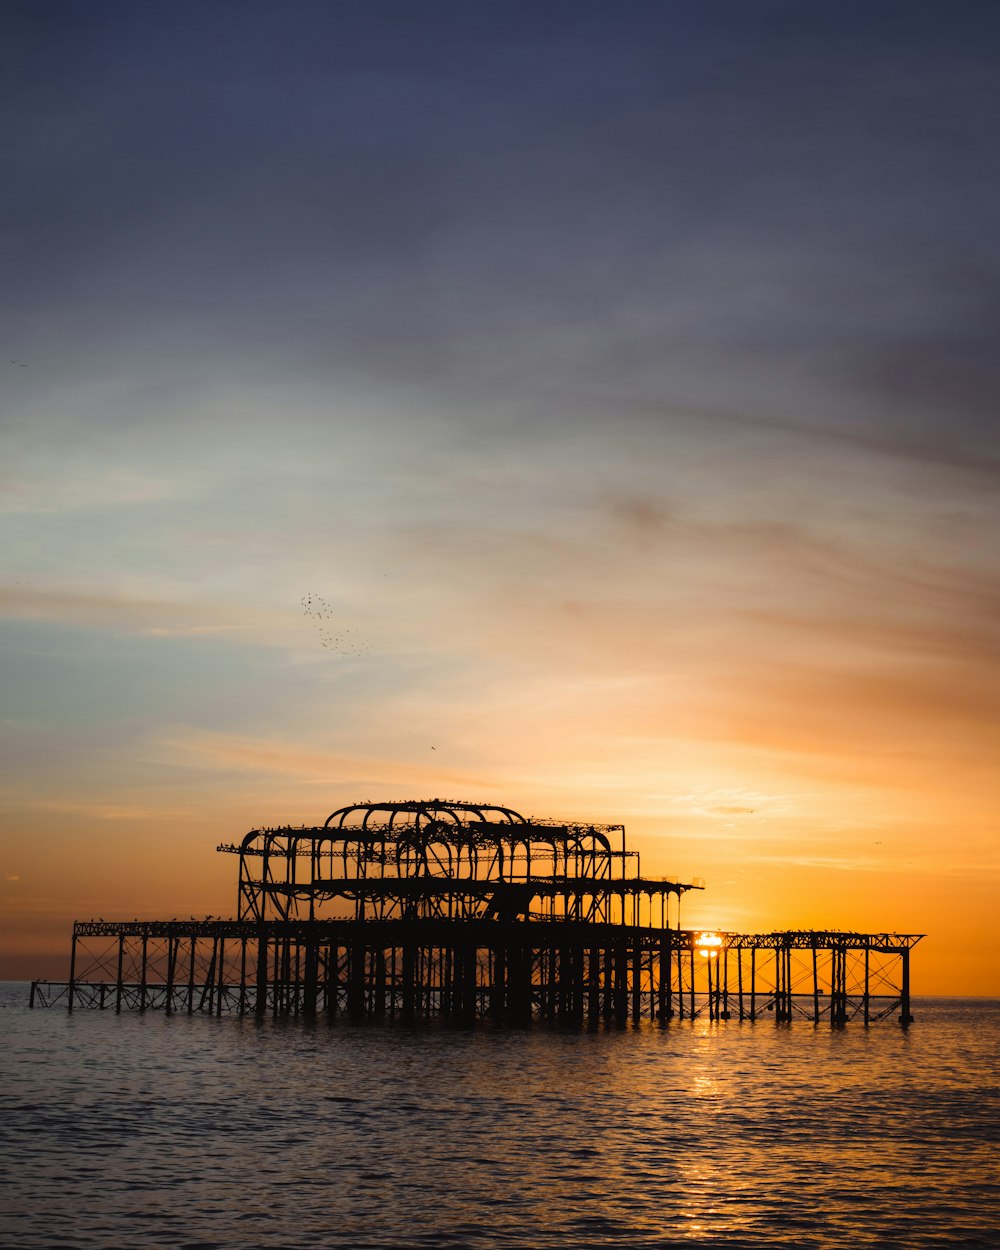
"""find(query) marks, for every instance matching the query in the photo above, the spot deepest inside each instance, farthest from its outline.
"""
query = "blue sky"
(622, 379)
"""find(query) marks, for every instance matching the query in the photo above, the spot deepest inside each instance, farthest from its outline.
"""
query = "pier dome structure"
(447, 859)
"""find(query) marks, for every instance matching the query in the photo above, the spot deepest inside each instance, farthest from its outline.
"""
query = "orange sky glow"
(606, 429)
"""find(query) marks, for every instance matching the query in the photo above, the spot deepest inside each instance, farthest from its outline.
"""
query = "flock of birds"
(341, 641)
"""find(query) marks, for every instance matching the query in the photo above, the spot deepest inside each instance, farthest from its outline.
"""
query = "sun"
(707, 945)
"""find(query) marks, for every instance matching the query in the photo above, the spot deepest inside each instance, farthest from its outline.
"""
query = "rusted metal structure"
(467, 911)
(446, 861)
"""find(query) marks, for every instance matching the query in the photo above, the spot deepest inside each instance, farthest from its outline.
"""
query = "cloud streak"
(625, 378)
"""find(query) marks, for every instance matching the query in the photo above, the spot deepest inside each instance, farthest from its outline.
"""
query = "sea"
(216, 1133)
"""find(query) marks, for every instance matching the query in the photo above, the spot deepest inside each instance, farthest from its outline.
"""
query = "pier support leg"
(310, 988)
(409, 972)
(753, 984)
(664, 1010)
(190, 984)
(609, 982)
(118, 981)
(593, 984)
(332, 979)
(680, 982)
(519, 983)
(379, 990)
(356, 981)
(905, 1017)
(621, 982)
(470, 983)
(815, 955)
(221, 978)
(260, 1002)
(636, 979)
(72, 972)
(142, 976)
(171, 968)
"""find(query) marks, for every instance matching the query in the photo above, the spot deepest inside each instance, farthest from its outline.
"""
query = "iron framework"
(460, 910)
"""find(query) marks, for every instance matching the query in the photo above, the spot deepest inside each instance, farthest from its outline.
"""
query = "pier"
(437, 909)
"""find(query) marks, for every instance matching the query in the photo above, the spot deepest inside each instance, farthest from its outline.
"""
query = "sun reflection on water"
(701, 1133)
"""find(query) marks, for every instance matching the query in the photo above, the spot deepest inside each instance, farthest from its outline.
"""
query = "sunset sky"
(619, 380)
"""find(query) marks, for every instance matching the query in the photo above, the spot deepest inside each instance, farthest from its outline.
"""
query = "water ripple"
(216, 1134)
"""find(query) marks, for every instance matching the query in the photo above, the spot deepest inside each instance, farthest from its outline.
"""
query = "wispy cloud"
(301, 763)
(116, 488)
(87, 809)
(155, 618)
(947, 449)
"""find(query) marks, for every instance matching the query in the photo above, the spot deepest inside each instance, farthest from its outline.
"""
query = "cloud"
(87, 809)
(129, 614)
(339, 773)
(946, 447)
(107, 489)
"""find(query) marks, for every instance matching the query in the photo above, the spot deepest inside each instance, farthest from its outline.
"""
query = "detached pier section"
(407, 911)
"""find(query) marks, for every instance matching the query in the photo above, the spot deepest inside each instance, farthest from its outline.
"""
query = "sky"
(588, 408)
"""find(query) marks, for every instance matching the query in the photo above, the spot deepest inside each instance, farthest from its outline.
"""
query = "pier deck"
(568, 971)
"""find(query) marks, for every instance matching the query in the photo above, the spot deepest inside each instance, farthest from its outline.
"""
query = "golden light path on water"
(219, 1133)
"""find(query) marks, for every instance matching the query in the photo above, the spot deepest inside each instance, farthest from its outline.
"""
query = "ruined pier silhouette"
(464, 911)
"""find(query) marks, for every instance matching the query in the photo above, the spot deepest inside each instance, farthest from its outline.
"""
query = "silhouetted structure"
(419, 909)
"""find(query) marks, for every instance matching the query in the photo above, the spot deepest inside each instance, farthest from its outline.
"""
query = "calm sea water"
(198, 1133)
